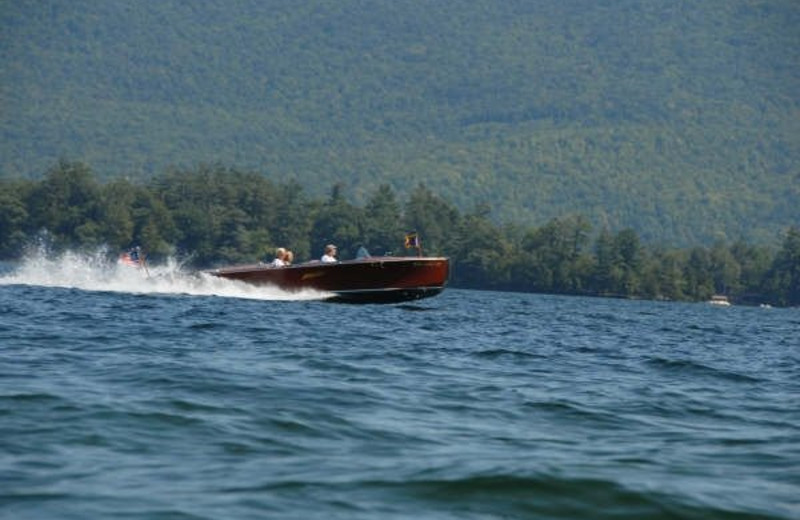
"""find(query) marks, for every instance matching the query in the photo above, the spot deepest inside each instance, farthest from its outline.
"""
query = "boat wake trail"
(97, 272)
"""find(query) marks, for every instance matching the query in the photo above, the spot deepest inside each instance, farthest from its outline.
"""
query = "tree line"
(217, 215)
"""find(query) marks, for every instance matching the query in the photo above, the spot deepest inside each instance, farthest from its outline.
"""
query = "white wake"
(97, 272)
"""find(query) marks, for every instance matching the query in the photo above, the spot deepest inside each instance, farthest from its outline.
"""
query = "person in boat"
(289, 258)
(280, 258)
(330, 255)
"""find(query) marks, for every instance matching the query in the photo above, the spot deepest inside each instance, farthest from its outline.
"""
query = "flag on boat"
(132, 258)
(412, 240)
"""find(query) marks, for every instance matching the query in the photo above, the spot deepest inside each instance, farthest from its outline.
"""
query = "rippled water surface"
(184, 397)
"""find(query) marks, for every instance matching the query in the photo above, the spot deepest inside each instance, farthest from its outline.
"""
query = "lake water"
(186, 397)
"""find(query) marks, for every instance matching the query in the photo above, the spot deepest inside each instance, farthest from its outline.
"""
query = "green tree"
(294, 221)
(607, 273)
(433, 218)
(383, 224)
(667, 267)
(755, 263)
(13, 219)
(483, 256)
(697, 273)
(338, 222)
(619, 263)
(556, 250)
(784, 276)
(153, 226)
(204, 206)
(66, 204)
(725, 270)
(630, 256)
(116, 202)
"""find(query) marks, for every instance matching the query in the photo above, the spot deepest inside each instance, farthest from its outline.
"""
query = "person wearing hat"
(330, 254)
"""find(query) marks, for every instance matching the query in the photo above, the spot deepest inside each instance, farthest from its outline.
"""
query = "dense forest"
(215, 215)
(678, 120)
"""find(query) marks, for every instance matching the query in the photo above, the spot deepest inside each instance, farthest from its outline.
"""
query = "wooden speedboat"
(374, 279)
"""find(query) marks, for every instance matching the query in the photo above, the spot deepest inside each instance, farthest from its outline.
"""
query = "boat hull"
(368, 280)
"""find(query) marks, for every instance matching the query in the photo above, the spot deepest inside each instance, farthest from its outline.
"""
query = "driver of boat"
(330, 254)
(280, 258)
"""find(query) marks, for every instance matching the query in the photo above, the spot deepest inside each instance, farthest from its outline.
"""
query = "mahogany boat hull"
(366, 280)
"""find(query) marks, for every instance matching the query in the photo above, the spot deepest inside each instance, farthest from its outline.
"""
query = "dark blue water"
(120, 399)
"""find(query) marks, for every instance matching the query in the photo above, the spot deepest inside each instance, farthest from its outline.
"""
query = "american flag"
(131, 258)
(412, 240)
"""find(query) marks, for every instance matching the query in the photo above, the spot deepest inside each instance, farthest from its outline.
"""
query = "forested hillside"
(677, 119)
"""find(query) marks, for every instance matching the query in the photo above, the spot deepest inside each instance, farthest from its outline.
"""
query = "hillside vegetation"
(677, 119)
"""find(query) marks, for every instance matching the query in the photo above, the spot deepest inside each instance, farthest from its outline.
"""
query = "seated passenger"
(289, 258)
(280, 258)
(330, 254)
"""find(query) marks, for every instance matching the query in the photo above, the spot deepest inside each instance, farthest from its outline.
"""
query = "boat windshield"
(362, 252)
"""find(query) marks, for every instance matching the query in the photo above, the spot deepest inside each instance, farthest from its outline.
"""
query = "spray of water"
(96, 272)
